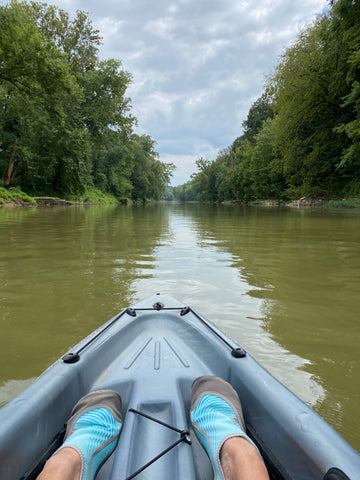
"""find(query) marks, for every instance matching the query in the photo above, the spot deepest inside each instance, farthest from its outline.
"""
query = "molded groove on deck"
(137, 354)
(175, 351)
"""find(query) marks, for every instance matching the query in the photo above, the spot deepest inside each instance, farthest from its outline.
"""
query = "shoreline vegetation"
(16, 198)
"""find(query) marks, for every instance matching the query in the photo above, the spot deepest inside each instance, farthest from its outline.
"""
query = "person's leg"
(91, 436)
(240, 461)
(64, 465)
(218, 421)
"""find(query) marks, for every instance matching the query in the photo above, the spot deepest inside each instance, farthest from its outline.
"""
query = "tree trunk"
(9, 176)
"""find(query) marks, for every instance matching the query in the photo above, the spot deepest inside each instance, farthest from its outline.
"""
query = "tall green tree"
(65, 121)
(150, 176)
(346, 29)
(313, 105)
(259, 112)
(76, 38)
(34, 81)
(267, 180)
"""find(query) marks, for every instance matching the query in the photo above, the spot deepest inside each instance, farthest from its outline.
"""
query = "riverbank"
(15, 197)
(304, 203)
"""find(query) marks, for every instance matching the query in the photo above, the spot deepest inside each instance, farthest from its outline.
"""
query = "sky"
(197, 65)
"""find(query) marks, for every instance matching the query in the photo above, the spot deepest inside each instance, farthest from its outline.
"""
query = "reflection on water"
(282, 283)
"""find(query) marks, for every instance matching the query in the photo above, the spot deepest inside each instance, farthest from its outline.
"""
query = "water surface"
(284, 283)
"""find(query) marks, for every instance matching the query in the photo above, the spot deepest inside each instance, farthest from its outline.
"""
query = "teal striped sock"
(215, 421)
(94, 437)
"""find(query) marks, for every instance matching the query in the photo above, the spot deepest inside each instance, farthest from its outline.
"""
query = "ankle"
(63, 465)
(232, 449)
(240, 459)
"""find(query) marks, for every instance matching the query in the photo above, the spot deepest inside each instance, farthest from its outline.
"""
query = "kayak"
(150, 354)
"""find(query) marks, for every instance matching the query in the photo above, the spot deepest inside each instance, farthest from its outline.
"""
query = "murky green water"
(284, 283)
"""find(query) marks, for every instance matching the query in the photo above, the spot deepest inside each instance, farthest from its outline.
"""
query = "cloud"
(197, 66)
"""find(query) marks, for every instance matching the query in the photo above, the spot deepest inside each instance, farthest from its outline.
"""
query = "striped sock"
(94, 437)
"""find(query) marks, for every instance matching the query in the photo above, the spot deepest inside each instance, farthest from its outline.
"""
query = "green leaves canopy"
(65, 120)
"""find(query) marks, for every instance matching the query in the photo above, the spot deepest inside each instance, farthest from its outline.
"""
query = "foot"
(216, 416)
(241, 460)
(65, 464)
(93, 430)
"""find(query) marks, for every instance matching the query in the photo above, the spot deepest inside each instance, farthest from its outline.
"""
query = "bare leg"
(240, 461)
(64, 465)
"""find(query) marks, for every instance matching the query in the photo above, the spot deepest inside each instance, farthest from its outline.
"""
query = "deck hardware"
(184, 437)
(238, 352)
(158, 306)
(71, 357)
(131, 312)
(184, 311)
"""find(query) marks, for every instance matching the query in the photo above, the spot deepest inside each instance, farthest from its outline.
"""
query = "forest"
(301, 138)
(66, 126)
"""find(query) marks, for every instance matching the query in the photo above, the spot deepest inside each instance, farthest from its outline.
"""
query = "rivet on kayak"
(238, 352)
(131, 312)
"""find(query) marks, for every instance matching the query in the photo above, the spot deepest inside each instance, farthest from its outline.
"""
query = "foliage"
(346, 28)
(169, 194)
(65, 120)
(149, 175)
(259, 112)
(15, 195)
(348, 203)
(93, 195)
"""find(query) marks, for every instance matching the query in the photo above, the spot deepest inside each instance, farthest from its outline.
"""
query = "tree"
(307, 99)
(65, 120)
(105, 106)
(201, 180)
(76, 38)
(34, 81)
(346, 28)
(150, 176)
(242, 177)
(259, 112)
(315, 89)
(267, 181)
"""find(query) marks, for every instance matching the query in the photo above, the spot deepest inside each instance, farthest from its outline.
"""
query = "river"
(284, 283)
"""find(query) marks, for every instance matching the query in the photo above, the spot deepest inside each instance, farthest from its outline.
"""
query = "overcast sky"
(197, 65)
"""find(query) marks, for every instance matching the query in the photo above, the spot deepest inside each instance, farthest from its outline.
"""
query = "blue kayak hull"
(150, 354)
